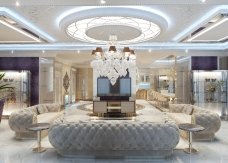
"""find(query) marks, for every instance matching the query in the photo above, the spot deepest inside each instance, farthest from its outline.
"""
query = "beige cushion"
(31, 109)
(42, 109)
(48, 117)
(53, 107)
(180, 117)
(188, 109)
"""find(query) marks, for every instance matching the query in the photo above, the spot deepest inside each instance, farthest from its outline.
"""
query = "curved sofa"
(113, 138)
(42, 113)
(186, 113)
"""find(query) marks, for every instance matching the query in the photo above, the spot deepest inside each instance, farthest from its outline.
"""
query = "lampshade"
(126, 50)
(112, 49)
(93, 52)
(98, 50)
(132, 52)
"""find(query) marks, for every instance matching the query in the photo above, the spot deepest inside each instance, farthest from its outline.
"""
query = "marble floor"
(14, 151)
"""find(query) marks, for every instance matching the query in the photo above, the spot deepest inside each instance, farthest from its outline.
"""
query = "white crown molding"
(141, 46)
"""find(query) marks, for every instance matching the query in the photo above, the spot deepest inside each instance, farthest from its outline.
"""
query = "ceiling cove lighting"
(16, 17)
(113, 63)
(85, 46)
(20, 31)
(220, 22)
(204, 19)
(146, 11)
(148, 30)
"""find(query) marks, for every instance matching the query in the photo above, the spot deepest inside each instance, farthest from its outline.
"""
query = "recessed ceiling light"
(12, 51)
(78, 51)
(186, 50)
(203, 1)
(102, 2)
(43, 51)
(17, 3)
(149, 50)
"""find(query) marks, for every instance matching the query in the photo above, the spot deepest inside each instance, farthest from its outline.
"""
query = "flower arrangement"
(212, 85)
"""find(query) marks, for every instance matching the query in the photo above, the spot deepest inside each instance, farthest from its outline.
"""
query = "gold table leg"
(190, 149)
(39, 149)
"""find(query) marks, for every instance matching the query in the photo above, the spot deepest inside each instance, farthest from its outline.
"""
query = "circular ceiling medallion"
(122, 32)
(127, 29)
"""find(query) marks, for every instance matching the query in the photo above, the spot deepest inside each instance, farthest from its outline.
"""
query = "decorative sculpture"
(66, 82)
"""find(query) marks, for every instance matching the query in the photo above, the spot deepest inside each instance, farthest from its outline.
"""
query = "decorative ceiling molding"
(141, 12)
(145, 30)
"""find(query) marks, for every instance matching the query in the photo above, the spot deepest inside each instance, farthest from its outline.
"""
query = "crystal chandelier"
(113, 63)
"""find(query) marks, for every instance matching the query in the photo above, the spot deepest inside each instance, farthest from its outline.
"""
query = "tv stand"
(105, 107)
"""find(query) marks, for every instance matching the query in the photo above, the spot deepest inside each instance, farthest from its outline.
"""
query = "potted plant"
(2, 87)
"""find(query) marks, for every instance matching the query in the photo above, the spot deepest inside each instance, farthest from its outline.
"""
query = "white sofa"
(186, 113)
(42, 113)
(113, 137)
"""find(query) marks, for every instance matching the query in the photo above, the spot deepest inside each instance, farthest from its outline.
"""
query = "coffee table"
(190, 128)
(38, 127)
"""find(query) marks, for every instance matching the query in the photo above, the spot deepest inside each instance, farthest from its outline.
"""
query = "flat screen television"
(122, 87)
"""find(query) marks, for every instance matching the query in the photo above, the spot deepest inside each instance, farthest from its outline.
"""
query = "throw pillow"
(42, 109)
(188, 109)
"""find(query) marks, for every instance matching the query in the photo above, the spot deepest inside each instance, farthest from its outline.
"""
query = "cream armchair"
(186, 113)
(21, 119)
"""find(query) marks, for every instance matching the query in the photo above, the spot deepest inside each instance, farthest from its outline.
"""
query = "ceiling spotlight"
(78, 51)
(149, 50)
(12, 51)
(43, 51)
(186, 50)
(102, 2)
(17, 3)
(203, 1)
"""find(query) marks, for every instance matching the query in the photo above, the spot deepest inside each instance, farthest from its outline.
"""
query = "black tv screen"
(122, 87)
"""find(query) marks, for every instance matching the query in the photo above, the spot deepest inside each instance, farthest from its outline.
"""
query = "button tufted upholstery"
(70, 138)
(208, 119)
(21, 119)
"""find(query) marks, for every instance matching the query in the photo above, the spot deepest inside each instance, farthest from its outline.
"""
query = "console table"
(102, 107)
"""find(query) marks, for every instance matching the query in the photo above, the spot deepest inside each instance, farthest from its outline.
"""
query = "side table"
(190, 128)
(38, 127)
